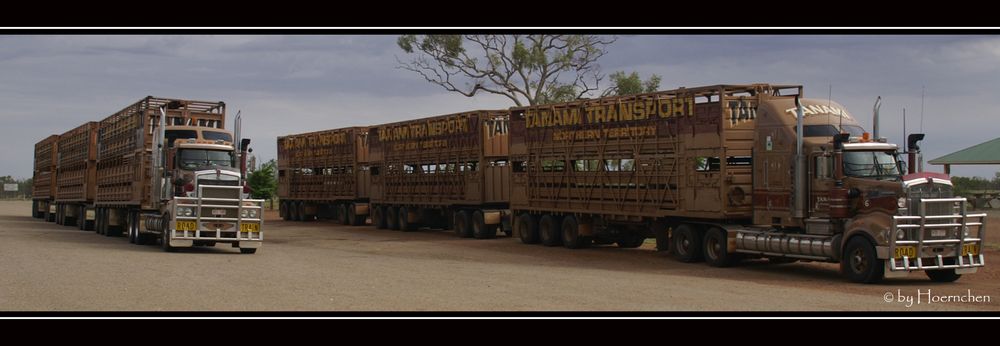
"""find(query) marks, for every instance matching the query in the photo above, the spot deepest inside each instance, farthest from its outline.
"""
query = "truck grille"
(218, 182)
(930, 190)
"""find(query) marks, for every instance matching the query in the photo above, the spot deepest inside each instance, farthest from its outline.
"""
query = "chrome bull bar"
(217, 234)
(962, 222)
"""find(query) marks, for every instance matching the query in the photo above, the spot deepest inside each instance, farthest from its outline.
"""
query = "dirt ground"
(327, 267)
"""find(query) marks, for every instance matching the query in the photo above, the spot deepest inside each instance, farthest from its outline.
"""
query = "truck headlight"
(252, 213)
(184, 211)
(243, 213)
(901, 202)
(900, 234)
(965, 232)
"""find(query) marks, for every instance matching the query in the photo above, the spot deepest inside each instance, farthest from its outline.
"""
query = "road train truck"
(167, 170)
(725, 172)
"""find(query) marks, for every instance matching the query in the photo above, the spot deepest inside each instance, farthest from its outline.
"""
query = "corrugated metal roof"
(986, 153)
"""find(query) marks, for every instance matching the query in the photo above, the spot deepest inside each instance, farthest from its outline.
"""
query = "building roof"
(986, 153)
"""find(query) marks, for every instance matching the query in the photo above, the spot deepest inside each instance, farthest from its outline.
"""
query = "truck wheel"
(132, 229)
(549, 231)
(860, 263)
(81, 218)
(943, 275)
(297, 211)
(717, 248)
(462, 224)
(164, 238)
(378, 217)
(285, 213)
(527, 228)
(571, 237)
(34, 209)
(342, 214)
(631, 240)
(686, 244)
(404, 220)
(479, 228)
(392, 217)
(352, 215)
(99, 219)
(248, 250)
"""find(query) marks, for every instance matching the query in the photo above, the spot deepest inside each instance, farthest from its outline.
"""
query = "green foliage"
(530, 69)
(963, 185)
(263, 181)
(631, 84)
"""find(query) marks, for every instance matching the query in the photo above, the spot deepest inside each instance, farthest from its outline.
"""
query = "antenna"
(905, 148)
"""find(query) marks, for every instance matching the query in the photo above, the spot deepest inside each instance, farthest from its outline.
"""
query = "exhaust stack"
(798, 185)
(915, 160)
(878, 104)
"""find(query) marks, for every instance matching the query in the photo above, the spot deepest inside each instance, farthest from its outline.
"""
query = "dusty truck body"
(168, 170)
(76, 182)
(718, 173)
(43, 188)
(324, 174)
(447, 172)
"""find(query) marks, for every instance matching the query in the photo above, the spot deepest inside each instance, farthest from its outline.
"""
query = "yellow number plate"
(249, 227)
(907, 251)
(186, 226)
(970, 249)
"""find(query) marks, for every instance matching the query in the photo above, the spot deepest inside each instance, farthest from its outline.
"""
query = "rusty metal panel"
(454, 159)
(125, 145)
(684, 152)
(45, 173)
(77, 164)
(324, 165)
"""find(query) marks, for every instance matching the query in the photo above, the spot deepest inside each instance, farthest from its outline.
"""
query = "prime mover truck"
(719, 173)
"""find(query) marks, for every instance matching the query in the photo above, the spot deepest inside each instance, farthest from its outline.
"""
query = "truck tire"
(342, 215)
(527, 228)
(99, 220)
(297, 211)
(462, 224)
(378, 217)
(686, 244)
(549, 232)
(81, 218)
(352, 215)
(249, 251)
(860, 263)
(59, 215)
(404, 220)
(285, 213)
(480, 229)
(392, 217)
(164, 241)
(132, 231)
(571, 237)
(34, 210)
(631, 240)
(943, 275)
(717, 248)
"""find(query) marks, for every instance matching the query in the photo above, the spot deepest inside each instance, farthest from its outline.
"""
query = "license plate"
(249, 227)
(970, 249)
(218, 212)
(907, 251)
(186, 226)
(938, 232)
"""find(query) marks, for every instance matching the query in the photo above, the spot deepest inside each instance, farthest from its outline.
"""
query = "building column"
(947, 169)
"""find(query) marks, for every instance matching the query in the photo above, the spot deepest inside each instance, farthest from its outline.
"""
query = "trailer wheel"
(480, 229)
(99, 221)
(860, 263)
(285, 213)
(686, 244)
(34, 209)
(404, 220)
(392, 217)
(297, 211)
(342, 215)
(527, 228)
(463, 227)
(717, 248)
(943, 275)
(248, 250)
(571, 237)
(378, 217)
(352, 215)
(549, 230)
(133, 230)
(81, 218)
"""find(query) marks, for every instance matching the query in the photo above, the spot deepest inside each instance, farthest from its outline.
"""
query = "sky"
(294, 84)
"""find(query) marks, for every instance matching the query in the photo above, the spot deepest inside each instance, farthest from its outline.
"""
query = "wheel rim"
(858, 261)
(684, 243)
(714, 248)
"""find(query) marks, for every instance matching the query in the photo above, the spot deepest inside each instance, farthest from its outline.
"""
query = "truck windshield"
(196, 158)
(871, 164)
